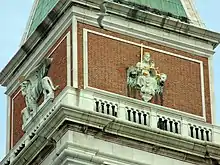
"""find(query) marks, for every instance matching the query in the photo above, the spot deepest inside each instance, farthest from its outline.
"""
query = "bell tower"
(118, 82)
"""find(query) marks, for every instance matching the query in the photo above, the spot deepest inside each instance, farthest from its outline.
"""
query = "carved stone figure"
(146, 78)
(30, 100)
(160, 83)
(147, 85)
(35, 84)
(132, 78)
(145, 64)
(48, 88)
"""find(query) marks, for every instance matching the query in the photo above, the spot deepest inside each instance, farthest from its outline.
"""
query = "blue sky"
(13, 18)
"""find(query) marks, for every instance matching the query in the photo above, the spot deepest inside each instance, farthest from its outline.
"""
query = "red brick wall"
(108, 60)
(58, 69)
(58, 74)
(17, 105)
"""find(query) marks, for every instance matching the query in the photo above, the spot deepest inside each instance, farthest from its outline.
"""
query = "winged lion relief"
(36, 84)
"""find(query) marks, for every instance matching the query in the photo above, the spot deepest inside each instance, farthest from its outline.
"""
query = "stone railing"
(106, 107)
(137, 116)
(153, 116)
(200, 132)
(169, 124)
(123, 108)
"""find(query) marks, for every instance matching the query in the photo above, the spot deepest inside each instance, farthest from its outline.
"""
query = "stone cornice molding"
(160, 21)
(70, 152)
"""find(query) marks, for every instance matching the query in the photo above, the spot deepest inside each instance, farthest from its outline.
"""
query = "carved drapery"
(145, 78)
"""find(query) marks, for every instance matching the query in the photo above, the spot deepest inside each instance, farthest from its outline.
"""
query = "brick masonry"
(58, 74)
(17, 105)
(108, 60)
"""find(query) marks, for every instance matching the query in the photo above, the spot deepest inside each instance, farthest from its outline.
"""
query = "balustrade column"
(196, 133)
(202, 133)
(199, 132)
(208, 135)
(172, 128)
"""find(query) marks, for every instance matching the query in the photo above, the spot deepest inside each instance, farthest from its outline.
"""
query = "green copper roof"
(42, 9)
(173, 8)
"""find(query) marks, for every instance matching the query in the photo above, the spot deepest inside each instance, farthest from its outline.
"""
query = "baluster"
(176, 127)
(129, 114)
(103, 107)
(159, 123)
(197, 133)
(168, 124)
(108, 106)
(191, 132)
(171, 126)
(113, 110)
(202, 134)
(145, 119)
(97, 106)
(134, 116)
(139, 117)
(207, 135)
(165, 124)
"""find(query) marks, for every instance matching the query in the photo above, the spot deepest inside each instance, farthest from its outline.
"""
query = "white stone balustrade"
(168, 124)
(170, 120)
(200, 132)
(105, 107)
(137, 116)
